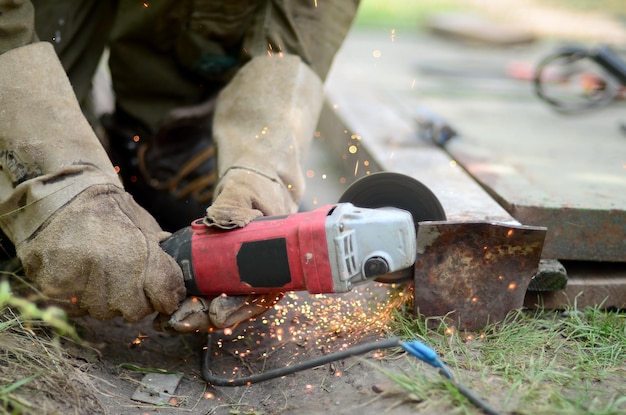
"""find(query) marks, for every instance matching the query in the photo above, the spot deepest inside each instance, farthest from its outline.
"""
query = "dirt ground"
(293, 332)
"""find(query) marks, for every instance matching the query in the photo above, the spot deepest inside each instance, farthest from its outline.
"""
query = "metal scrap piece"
(474, 273)
(157, 388)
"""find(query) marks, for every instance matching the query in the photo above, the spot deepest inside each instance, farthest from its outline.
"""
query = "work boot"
(171, 173)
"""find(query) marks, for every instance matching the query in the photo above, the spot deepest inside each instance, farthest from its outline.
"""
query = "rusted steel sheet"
(474, 273)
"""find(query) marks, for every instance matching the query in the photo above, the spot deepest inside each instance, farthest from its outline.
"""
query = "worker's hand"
(99, 254)
(80, 237)
(243, 195)
(263, 125)
(201, 314)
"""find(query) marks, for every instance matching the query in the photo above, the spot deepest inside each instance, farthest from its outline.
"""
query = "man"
(242, 79)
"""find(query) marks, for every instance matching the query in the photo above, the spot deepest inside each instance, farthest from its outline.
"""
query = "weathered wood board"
(526, 164)
(564, 172)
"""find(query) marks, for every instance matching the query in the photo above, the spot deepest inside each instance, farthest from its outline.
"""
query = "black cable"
(479, 403)
(415, 348)
(288, 370)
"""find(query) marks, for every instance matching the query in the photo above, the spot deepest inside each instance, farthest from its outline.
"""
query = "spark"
(310, 174)
(352, 149)
(145, 5)
(393, 34)
(356, 167)
(413, 84)
(453, 163)
(510, 233)
(136, 138)
(324, 321)
(209, 395)
(512, 286)
(116, 168)
(138, 340)
(376, 54)
(228, 331)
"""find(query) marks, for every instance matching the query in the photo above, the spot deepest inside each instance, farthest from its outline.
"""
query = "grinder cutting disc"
(388, 189)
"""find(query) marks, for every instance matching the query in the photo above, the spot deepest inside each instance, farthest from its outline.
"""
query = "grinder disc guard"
(388, 189)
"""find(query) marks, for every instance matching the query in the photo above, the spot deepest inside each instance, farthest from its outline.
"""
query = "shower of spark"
(303, 325)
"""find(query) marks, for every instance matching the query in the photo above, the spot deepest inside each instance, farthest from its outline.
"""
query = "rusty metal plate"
(474, 273)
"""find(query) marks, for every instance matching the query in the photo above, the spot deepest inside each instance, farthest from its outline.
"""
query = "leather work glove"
(264, 122)
(80, 237)
(263, 125)
(202, 314)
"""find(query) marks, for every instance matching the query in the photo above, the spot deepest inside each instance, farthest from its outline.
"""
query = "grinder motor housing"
(326, 250)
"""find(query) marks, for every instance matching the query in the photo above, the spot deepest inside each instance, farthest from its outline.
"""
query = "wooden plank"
(568, 175)
(371, 109)
(564, 172)
(366, 131)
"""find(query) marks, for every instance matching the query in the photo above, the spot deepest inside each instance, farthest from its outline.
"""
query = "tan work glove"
(202, 314)
(264, 122)
(82, 240)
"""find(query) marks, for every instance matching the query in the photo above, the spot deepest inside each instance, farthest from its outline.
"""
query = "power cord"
(414, 348)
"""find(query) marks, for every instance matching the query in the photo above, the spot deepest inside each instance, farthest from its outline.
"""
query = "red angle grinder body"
(327, 250)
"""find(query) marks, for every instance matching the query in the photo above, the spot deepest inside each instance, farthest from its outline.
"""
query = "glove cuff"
(48, 151)
(265, 119)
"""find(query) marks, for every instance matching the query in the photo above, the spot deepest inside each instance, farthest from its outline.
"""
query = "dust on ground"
(301, 327)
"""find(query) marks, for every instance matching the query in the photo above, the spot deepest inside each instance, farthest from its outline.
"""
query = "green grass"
(540, 362)
(400, 14)
(409, 14)
(36, 375)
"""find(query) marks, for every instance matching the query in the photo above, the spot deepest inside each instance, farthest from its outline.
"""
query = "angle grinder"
(369, 234)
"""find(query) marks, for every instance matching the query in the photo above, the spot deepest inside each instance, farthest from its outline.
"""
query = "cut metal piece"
(157, 388)
(474, 273)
